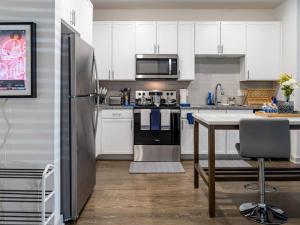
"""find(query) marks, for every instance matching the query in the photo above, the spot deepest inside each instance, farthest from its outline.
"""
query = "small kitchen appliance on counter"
(115, 100)
(156, 127)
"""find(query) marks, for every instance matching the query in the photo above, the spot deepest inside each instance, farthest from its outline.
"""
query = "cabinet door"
(117, 136)
(102, 41)
(187, 137)
(186, 50)
(233, 38)
(263, 59)
(123, 51)
(66, 11)
(85, 20)
(167, 37)
(220, 136)
(207, 38)
(145, 37)
(98, 135)
(233, 135)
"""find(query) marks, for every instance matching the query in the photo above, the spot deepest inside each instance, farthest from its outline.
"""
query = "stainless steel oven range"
(156, 127)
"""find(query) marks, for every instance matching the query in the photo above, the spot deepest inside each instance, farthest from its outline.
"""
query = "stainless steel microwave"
(157, 66)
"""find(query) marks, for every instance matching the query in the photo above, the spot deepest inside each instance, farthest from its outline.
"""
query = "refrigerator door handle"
(97, 95)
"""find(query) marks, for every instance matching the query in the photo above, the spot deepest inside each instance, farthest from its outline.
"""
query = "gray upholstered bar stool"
(263, 139)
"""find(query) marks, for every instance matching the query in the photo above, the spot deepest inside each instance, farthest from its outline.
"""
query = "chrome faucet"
(216, 93)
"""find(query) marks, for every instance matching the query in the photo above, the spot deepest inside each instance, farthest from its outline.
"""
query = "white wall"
(34, 136)
(186, 14)
(287, 12)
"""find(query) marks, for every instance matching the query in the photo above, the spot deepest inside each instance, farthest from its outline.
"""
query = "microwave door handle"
(170, 66)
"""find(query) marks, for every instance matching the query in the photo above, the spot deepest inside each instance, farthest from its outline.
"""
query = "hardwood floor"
(121, 198)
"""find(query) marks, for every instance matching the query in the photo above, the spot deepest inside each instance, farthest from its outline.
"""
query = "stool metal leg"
(261, 212)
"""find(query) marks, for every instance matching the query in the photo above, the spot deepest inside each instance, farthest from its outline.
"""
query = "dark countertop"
(219, 107)
(208, 107)
(114, 107)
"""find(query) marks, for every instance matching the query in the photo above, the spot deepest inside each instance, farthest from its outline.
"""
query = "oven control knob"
(144, 94)
(140, 94)
(171, 93)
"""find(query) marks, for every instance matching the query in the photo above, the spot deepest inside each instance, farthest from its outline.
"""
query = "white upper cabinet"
(207, 38)
(156, 37)
(67, 11)
(233, 38)
(146, 37)
(123, 55)
(263, 58)
(79, 15)
(186, 50)
(214, 38)
(167, 37)
(102, 38)
(85, 23)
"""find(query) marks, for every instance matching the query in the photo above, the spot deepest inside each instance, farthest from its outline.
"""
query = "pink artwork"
(12, 59)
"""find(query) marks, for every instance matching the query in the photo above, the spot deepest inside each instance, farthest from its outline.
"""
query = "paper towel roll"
(183, 96)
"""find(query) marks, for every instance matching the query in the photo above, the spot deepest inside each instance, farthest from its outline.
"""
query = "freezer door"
(83, 81)
(83, 152)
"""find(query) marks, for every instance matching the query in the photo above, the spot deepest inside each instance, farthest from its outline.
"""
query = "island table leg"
(196, 154)
(211, 171)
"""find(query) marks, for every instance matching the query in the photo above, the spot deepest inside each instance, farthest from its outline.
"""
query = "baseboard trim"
(59, 221)
(115, 157)
(187, 157)
(295, 160)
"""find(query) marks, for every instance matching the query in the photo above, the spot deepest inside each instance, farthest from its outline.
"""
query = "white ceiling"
(185, 4)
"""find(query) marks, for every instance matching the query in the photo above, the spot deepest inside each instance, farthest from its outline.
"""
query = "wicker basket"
(257, 97)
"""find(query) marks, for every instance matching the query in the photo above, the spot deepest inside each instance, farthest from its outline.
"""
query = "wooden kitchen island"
(211, 174)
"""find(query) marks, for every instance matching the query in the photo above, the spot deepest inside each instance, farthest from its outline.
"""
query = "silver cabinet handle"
(113, 75)
(158, 49)
(179, 73)
(219, 49)
(154, 49)
(248, 75)
(116, 114)
(131, 124)
(71, 17)
(222, 49)
(109, 74)
(181, 124)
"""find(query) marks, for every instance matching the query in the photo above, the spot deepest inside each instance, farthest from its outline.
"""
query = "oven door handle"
(170, 66)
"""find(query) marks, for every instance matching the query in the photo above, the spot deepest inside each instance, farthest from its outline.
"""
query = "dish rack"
(257, 97)
(41, 196)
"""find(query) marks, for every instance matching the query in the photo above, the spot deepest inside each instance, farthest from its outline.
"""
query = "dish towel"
(165, 119)
(145, 119)
(155, 119)
(190, 118)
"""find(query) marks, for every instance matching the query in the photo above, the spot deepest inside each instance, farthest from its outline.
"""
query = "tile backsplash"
(209, 72)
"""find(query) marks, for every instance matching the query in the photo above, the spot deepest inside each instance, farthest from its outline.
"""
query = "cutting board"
(277, 115)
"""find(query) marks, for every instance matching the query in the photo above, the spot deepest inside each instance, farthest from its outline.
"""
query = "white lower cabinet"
(225, 140)
(233, 135)
(220, 136)
(116, 132)
(187, 133)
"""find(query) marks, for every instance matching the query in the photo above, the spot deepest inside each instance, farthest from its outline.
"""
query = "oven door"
(157, 145)
(156, 67)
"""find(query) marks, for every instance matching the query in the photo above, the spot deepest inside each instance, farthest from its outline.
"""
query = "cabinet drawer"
(117, 113)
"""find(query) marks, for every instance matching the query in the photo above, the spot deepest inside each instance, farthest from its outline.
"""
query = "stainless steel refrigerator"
(78, 125)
